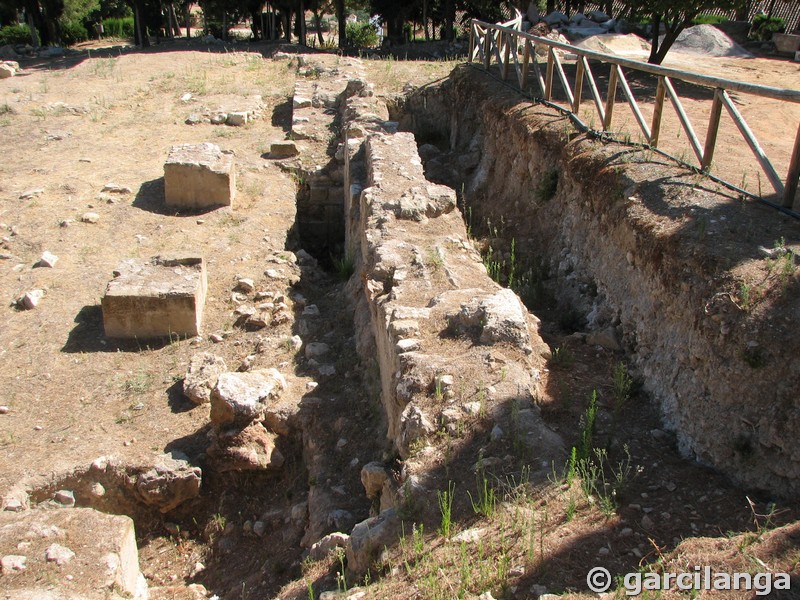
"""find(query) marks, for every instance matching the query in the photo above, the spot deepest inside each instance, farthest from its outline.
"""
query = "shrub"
(708, 20)
(15, 34)
(763, 27)
(73, 32)
(118, 27)
(362, 34)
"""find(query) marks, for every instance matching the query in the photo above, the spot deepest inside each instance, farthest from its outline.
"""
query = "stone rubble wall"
(451, 346)
(427, 292)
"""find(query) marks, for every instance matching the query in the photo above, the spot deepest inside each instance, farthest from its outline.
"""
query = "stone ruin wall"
(627, 267)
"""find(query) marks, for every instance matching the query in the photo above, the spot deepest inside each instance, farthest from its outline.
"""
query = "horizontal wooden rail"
(504, 42)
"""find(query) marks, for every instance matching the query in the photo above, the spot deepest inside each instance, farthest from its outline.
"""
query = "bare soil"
(69, 126)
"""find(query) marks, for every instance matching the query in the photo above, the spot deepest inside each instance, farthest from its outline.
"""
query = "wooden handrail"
(503, 42)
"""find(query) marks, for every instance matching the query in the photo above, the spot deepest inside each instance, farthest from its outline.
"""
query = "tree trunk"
(32, 27)
(449, 19)
(188, 20)
(318, 25)
(170, 29)
(551, 6)
(425, 20)
(140, 40)
(672, 33)
(176, 31)
(301, 23)
(340, 17)
(653, 59)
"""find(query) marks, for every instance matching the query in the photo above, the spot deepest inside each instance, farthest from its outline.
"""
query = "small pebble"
(3, 410)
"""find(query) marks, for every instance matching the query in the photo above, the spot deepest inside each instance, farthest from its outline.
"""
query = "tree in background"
(675, 15)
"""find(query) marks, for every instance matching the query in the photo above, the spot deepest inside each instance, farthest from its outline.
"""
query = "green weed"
(486, 502)
(344, 266)
(562, 357)
(446, 509)
(588, 423)
(623, 384)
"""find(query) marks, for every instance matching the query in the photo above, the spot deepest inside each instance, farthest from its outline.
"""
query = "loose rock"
(59, 554)
(30, 300)
(201, 378)
(65, 497)
(169, 483)
(47, 259)
(13, 562)
(239, 397)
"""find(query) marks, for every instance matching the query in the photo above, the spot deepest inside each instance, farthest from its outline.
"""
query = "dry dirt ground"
(70, 126)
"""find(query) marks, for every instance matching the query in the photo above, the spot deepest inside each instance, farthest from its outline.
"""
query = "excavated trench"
(598, 240)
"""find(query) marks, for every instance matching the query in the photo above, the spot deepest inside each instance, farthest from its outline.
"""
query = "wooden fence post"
(713, 129)
(611, 97)
(794, 174)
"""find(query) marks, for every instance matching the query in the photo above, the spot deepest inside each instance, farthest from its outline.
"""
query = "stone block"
(153, 298)
(90, 554)
(237, 119)
(285, 149)
(199, 176)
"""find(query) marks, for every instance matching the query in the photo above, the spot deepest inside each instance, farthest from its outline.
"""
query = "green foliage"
(623, 384)
(75, 11)
(363, 35)
(763, 27)
(446, 509)
(73, 32)
(15, 34)
(486, 501)
(561, 357)
(604, 481)
(588, 422)
(345, 266)
(708, 20)
(118, 27)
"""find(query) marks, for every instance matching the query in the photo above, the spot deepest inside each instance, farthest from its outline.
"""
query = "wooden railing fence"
(511, 48)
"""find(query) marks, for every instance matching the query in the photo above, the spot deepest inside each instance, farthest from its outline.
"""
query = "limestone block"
(159, 297)
(199, 176)
(237, 119)
(369, 538)
(285, 149)
(6, 71)
(103, 559)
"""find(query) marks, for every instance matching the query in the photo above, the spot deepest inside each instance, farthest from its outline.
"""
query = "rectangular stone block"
(285, 149)
(82, 552)
(199, 176)
(160, 297)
